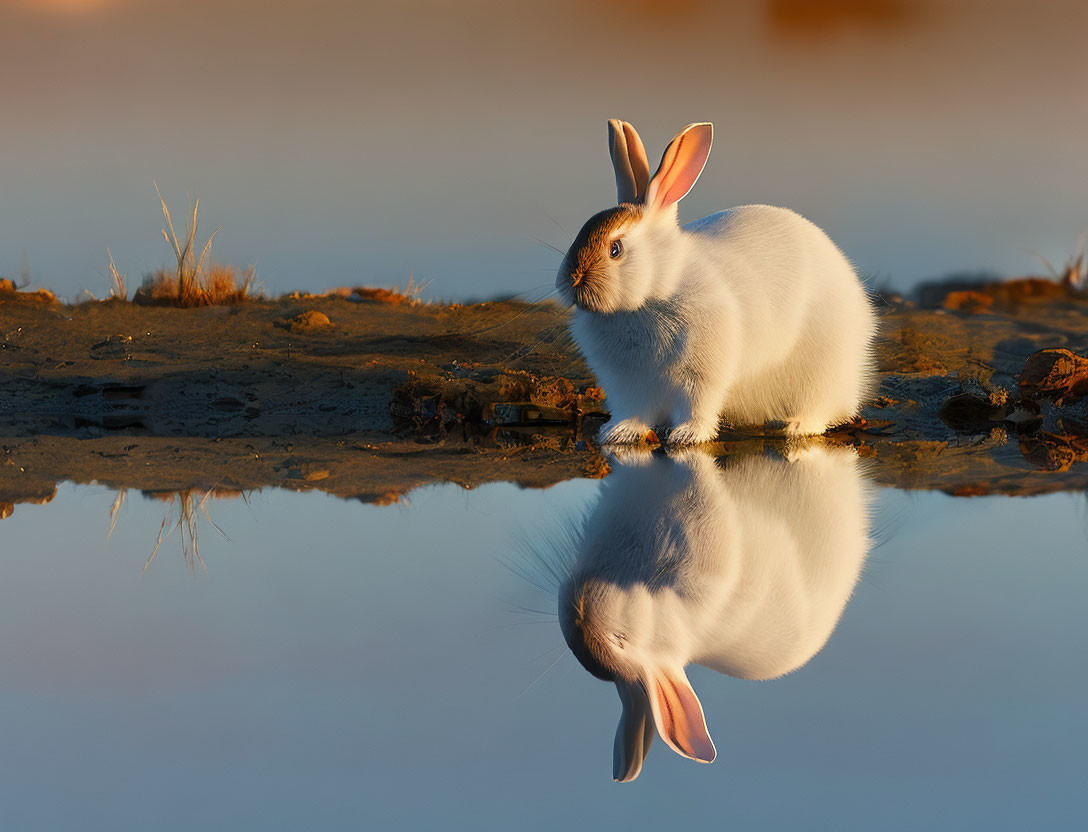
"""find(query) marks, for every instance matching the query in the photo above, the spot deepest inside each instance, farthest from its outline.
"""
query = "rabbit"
(751, 315)
(745, 570)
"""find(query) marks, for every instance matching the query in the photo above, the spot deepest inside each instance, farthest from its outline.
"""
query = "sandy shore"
(369, 400)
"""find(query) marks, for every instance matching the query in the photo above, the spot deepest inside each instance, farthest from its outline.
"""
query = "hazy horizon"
(346, 143)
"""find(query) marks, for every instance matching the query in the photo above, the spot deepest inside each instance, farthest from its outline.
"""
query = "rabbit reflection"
(744, 568)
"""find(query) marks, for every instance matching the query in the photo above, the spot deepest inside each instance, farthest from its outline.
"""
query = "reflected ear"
(628, 161)
(678, 715)
(634, 733)
(680, 166)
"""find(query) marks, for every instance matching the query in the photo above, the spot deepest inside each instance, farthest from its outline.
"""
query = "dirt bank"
(368, 399)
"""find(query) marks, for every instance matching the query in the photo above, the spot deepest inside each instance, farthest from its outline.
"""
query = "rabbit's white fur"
(752, 315)
(745, 570)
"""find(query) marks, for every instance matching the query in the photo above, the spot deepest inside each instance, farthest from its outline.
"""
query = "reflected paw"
(691, 455)
(633, 456)
(803, 447)
(805, 427)
(628, 432)
(692, 433)
(815, 449)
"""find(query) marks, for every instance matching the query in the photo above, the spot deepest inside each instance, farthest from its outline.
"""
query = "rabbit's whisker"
(545, 673)
(546, 244)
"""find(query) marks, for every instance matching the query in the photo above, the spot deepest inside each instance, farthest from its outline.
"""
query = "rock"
(968, 301)
(8, 287)
(309, 321)
(971, 413)
(1054, 452)
(383, 296)
(1055, 374)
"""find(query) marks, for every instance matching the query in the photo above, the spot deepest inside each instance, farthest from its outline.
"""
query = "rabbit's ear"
(680, 166)
(679, 715)
(634, 733)
(640, 165)
(629, 162)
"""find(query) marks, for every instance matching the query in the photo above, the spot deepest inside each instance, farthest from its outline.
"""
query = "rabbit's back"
(802, 317)
(774, 260)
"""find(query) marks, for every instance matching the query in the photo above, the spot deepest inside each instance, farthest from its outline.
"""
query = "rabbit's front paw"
(628, 432)
(692, 432)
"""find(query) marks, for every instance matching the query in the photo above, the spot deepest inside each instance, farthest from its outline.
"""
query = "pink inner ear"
(640, 167)
(679, 717)
(681, 165)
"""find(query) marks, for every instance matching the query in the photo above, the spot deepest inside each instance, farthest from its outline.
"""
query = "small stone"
(1055, 374)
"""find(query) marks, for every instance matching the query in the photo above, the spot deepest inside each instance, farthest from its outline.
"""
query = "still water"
(336, 665)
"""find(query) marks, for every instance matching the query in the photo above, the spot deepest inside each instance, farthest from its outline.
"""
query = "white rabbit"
(752, 315)
(745, 570)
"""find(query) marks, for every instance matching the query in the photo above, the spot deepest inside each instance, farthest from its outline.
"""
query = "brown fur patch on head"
(581, 637)
(589, 251)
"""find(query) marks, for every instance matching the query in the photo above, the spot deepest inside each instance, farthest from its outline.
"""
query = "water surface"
(338, 665)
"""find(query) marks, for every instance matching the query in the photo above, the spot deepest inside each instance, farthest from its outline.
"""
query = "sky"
(346, 143)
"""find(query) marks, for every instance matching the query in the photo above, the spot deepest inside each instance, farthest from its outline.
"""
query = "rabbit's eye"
(616, 250)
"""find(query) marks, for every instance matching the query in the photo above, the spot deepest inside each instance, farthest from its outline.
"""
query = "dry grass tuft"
(192, 283)
(220, 286)
(226, 285)
(1073, 273)
(159, 287)
(118, 281)
(189, 265)
(189, 505)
